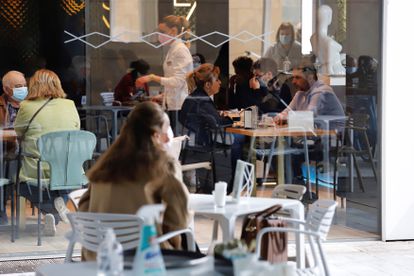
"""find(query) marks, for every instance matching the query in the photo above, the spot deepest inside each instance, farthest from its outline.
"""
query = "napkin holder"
(251, 117)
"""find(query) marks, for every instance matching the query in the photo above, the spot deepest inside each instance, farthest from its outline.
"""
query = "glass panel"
(83, 43)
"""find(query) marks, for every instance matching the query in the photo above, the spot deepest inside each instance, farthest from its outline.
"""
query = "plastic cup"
(220, 190)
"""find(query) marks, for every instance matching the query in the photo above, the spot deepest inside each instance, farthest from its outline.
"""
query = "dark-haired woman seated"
(136, 170)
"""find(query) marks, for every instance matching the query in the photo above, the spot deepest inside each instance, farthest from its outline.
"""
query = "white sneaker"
(62, 209)
(50, 227)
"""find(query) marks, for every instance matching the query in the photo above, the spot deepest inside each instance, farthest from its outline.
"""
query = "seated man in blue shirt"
(313, 95)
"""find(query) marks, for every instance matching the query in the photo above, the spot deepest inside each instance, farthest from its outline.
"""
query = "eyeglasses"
(308, 69)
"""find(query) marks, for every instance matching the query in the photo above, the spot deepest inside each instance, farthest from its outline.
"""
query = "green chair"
(65, 152)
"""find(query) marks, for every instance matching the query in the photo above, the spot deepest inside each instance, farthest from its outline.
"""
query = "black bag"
(274, 245)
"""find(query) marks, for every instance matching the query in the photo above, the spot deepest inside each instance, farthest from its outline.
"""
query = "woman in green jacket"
(58, 114)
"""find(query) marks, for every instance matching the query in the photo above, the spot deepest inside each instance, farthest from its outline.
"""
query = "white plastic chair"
(243, 185)
(291, 191)
(316, 229)
(176, 147)
(75, 196)
(319, 265)
(89, 230)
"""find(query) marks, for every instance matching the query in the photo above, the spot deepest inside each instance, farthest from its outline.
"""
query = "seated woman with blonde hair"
(46, 99)
(137, 170)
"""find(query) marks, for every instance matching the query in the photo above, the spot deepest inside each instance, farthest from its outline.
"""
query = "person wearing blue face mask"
(277, 93)
(15, 91)
(286, 49)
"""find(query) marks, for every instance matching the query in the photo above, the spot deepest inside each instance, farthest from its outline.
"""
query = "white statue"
(326, 49)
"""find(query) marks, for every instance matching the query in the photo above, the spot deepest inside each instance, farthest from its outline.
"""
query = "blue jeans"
(47, 206)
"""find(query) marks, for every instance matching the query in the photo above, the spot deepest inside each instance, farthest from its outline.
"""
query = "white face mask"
(165, 40)
(168, 145)
(285, 39)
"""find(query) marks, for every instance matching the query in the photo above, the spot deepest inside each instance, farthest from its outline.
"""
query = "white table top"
(203, 204)
(227, 215)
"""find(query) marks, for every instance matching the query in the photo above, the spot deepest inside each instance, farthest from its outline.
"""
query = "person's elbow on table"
(279, 119)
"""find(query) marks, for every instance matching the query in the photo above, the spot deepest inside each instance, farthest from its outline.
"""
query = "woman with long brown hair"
(136, 170)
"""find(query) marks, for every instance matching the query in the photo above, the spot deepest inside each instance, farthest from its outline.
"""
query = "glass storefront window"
(81, 42)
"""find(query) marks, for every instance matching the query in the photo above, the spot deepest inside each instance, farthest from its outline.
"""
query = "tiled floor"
(370, 258)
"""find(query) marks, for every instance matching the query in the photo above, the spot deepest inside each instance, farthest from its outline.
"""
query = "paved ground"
(370, 258)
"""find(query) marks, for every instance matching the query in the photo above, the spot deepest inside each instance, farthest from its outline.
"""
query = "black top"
(199, 113)
(273, 101)
(242, 96)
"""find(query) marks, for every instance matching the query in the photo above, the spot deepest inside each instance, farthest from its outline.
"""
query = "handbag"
(274, 245)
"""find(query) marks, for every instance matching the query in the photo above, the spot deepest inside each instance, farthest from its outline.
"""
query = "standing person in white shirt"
(177, 64)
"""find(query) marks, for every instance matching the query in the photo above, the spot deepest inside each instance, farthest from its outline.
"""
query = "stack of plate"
(108, 98)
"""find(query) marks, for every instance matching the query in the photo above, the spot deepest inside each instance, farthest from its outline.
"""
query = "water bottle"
(117, 259)
(103, 257)
(286, 65)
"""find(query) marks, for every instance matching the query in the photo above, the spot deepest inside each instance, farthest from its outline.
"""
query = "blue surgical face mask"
(20, 93)
(285, 39)
(261, 81)
(350, 70)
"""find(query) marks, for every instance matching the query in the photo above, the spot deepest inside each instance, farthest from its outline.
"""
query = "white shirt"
(177, 64)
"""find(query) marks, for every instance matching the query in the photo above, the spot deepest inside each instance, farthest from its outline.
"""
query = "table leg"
(251, 150)
(252, 159)
(351, 163)
(22, 213)
(227, 228)
(280, 162)
(114, 124)
(298, 212)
